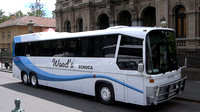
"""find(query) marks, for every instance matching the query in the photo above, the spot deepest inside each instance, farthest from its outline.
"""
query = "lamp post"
(163, 22)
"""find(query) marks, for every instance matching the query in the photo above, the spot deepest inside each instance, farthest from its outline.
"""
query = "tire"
(25, 79)
(106, 94)
(34, 80)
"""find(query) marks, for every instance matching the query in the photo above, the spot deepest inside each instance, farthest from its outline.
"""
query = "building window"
(77, 1)
(124, 18)
(103, 21)
(180, 22)
(9, 34)
(199, 22)
(80, 25)
(199, 42)
(67, 27)
(3, 35)
(149, 16)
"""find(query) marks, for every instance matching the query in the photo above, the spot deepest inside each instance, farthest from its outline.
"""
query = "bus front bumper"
(165, 92)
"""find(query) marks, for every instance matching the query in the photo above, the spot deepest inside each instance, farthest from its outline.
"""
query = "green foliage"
(19, 14)
(3, 17)
(37, 10)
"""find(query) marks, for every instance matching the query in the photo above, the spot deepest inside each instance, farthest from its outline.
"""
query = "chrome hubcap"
(33, 80)
(105, 93)
(25, 78)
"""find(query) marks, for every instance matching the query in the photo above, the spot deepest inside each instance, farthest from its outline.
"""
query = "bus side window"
(109, 46)
(99, 46)
(130, 53)
(20, 49)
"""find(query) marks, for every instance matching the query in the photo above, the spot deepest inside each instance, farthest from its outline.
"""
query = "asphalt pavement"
(191, 91)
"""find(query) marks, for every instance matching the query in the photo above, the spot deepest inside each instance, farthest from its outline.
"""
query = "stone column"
(161, 11)
(59, 21)
(139, 22)
(190, 31)
(134, 22)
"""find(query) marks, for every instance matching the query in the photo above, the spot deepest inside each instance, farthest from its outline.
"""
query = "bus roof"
(138, 32)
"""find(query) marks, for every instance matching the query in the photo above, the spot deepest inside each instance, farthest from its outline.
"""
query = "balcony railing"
(188, 42)
(181, 42)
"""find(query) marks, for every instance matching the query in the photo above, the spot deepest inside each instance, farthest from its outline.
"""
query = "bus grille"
(168, 91)
(165, 92)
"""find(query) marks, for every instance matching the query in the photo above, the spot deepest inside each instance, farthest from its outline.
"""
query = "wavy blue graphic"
(17, 39)
(25, 64)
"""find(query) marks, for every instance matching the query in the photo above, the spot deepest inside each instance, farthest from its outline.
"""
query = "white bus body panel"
(80, 74)
(87, 85)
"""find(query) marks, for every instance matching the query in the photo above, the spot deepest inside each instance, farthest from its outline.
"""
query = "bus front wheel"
(34, 80)
(106, 94)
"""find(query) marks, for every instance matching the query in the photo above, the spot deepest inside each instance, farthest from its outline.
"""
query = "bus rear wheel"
(34, 80)
(106, 94)
(25, 80)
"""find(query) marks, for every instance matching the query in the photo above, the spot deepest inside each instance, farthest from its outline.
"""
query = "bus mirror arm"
(185, 64)
(140, 67)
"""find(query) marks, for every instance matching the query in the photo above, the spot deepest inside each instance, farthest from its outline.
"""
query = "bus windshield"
(161, 52)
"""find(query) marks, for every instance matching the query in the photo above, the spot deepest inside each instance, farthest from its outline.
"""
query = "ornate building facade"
(181, 15)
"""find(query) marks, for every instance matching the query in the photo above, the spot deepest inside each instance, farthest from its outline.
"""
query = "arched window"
(80, 25)
(149, 16)
(180, 22)
(199, 25)
(124, 18)
(103, 21)
(67, 27)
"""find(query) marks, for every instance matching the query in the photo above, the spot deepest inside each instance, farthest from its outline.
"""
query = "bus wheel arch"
(104, 91)
(33, 79)
(25, 78)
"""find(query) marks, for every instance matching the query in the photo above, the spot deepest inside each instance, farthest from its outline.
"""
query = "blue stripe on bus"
(25, 64)
(17, 39)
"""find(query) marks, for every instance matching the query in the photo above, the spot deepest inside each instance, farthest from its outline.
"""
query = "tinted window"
(99, 46)
(130, 53)
(20, 49)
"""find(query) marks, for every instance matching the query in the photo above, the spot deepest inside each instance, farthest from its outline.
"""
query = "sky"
(11, 6)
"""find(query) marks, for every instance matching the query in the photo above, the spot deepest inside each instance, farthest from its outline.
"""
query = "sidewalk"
(191, 91)
(5, 70)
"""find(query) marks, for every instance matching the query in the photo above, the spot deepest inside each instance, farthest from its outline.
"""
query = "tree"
(19, 14)
(37, 9)
(3, 17)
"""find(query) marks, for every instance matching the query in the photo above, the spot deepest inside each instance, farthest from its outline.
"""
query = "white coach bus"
(135, 65)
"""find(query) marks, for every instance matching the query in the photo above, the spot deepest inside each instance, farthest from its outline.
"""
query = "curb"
(187, 99)
(6, 71)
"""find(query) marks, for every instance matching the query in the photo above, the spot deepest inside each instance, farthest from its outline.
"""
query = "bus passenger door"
(129, 56)
(134, 93)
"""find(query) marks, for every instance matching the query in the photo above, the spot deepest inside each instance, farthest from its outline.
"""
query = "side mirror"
(140, 67)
